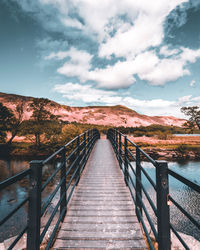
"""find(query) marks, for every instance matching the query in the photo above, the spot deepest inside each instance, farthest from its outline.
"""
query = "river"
(185, 196)
(188, 198)
(16, 193)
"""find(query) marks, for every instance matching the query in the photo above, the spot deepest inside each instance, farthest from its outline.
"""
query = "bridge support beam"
(163, 217)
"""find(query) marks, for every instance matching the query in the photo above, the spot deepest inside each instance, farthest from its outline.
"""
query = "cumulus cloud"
(164, 50)
(170, 69)
(74, 23)
(131, 30)
(192, 83)
(147, 66)
(78, 64)
(59, 55)
(189, 101)
(90, 95)
(147, 29)
(87, 94)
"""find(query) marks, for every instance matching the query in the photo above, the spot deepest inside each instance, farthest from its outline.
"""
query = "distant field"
(174, 140)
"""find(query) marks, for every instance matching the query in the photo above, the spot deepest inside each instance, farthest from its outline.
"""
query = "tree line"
(44, 126)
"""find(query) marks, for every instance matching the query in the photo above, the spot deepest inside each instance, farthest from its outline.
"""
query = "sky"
(138, 53)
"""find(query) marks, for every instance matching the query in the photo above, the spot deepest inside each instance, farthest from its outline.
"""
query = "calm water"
(16, 193)
(186, 134)
(188, 198)
(185, 196)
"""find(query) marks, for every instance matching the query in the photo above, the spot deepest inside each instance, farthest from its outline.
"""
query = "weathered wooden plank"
(99, 235)
(101, 207)
(100, 244)
(101, 220)
(76, 226)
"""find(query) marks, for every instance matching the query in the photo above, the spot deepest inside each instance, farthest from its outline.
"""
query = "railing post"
(34, 207)
(138, 183)
(84, 146)
(88, 141)
(163, 217)
(120, 150)
(78, 156)
(125, 161)
(116, 145)
(63, 204)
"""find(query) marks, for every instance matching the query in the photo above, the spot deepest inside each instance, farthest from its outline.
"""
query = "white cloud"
(113, 77)
(78, 65)
(189, 101)
(170, 69)
(87, 94)
(147, 29)
(164, 50)
(143, 34)
(59, 55)
(128, 29)
(148, 66)
(189, 55)
(192, 83)
(135, 25)
(74, 23)
(90, 95)
(184, 99)
(160, 106)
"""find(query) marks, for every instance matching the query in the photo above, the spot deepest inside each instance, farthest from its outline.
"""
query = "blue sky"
(141, 54)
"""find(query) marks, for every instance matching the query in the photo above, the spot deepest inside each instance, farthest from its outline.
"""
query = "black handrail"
(72, 158)
(123, 148)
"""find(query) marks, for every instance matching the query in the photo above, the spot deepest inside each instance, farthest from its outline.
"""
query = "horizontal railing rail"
(71, 160)
(129, 157)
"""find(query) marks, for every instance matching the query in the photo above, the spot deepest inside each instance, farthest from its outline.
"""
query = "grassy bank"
(176, 148)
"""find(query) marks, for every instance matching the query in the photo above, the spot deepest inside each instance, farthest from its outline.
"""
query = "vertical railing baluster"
(120, 150)
(78, 161)
(125, 160)
(89, 141)
(163, 217)
(138, 183)
(63, 204)
(116, 144)
(34, 208)
(84, 145)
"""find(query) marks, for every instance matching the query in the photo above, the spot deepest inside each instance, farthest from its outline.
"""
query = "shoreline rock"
(172, 155)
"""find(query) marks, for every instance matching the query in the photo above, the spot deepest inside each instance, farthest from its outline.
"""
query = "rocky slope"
(101, 115)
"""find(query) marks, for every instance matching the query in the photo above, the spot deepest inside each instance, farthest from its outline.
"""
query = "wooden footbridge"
(98, 199)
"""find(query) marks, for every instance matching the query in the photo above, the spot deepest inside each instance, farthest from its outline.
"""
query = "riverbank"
(25, 150)
(177, 148)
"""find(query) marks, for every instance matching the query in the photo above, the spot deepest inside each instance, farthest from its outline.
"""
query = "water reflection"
(11, 167)
(16, 193)
(184, 195)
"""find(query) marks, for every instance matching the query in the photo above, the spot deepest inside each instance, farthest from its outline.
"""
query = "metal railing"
(72, 159)
(127, 152)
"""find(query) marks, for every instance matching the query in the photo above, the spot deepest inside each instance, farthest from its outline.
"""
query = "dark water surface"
(189, 199)
(16, 193)
(185, 196)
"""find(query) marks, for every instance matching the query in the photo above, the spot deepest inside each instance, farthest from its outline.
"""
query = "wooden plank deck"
(101, 214)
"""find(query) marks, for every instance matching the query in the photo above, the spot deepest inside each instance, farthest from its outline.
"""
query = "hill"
(100, 115)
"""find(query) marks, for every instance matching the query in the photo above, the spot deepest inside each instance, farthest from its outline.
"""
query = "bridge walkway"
(101, 214)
